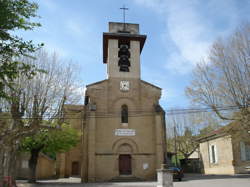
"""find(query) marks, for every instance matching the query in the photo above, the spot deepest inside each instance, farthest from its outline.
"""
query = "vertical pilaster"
(84, 149)
(91, 147)
(158, 141)
(68, 165)
(60, 165)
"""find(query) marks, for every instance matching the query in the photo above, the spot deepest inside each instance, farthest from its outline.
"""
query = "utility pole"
(175, 147)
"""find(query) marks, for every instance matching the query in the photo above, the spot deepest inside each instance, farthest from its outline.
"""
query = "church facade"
(122, 123)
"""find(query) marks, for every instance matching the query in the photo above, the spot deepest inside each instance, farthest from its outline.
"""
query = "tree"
(14, 15)
(185, 128)
(223, 79)
(48, 142)
(182, 133)
(35, 100)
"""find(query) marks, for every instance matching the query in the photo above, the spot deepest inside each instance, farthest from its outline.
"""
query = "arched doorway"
(125, 161)
(125, 148)
(125, 165)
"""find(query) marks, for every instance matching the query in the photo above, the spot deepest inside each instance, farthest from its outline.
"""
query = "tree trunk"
(32, 165)
(1, 165)
(13, 168)
(186, 159)
(7, 165)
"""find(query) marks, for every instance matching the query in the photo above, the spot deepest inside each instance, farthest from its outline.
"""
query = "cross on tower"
(124, 9)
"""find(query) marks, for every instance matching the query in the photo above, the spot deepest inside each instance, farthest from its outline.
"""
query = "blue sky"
(179, 33)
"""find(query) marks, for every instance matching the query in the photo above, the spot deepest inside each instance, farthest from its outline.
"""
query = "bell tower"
(122, 46)
(124, 125)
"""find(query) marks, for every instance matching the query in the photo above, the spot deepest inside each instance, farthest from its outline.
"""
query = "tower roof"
(116, 31)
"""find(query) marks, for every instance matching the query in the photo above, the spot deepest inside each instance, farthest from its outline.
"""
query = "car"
(177, 173)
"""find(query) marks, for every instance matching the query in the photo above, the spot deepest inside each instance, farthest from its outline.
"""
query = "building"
(46, 167)
(122, 122)
(225, 152)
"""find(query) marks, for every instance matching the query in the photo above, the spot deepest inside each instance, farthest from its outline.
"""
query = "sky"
(179, 34)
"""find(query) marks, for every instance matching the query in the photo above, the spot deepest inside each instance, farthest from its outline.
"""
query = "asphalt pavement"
(190, 180)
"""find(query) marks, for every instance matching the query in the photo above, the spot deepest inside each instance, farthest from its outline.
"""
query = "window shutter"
(242, 151)
(210, 154)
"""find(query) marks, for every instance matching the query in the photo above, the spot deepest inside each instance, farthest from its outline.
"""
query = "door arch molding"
(122, 142)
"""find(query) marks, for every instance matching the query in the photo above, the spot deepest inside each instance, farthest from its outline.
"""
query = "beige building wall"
(229, 153)
(66, 162)
(145, 148)
(46, 167)
(113, 68)
(224, 149)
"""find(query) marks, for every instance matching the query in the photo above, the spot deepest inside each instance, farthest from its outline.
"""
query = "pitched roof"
(95, 83)
(223, 131)
(150, 84)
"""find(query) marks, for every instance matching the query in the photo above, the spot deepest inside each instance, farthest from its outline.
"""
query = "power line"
(135, 113)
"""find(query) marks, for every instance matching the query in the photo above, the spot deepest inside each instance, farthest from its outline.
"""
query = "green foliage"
(51, 141)
(173, 160)
(14, 15)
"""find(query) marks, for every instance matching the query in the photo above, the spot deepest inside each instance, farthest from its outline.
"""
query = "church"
(121, 123)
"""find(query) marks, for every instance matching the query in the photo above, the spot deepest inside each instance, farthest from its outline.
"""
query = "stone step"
(126, 179)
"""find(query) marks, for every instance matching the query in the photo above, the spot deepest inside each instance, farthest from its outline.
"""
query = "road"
(214, 181)
(188, 181)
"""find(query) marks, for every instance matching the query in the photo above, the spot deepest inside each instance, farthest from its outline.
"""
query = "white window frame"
(213, 156)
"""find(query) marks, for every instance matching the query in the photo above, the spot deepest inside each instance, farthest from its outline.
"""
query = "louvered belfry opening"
(124, 55)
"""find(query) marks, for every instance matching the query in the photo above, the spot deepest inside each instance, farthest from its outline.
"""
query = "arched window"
(124, 114)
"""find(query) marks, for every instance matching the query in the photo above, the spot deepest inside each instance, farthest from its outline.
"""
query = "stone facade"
(111, 147)
(227, 154)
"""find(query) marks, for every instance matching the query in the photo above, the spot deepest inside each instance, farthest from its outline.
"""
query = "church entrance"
(125, 165)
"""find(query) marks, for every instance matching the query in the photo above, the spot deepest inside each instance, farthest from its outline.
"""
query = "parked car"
(177, 173)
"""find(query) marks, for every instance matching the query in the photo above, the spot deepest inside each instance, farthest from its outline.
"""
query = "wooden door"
(75, 168)
(125, 164)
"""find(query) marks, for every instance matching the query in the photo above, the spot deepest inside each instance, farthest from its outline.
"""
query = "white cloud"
(189, 30)
(177, 64)
(188, 34)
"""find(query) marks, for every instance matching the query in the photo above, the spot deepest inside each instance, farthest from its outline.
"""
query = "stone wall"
(46, 167)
